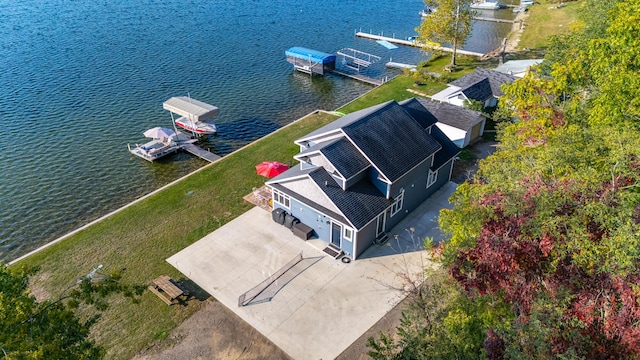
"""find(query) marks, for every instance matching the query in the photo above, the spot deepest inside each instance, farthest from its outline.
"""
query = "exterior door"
(475, 132)
(380, 224)
(336, 234)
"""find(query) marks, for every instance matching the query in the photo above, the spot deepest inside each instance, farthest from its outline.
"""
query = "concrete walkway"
(327, 306)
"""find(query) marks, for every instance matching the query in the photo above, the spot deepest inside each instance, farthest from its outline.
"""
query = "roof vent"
(326, 183)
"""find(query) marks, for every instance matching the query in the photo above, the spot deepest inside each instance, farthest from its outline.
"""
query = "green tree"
(474, 105)
(51, 329)
(449, 24)
(440, 322)
(550, 223)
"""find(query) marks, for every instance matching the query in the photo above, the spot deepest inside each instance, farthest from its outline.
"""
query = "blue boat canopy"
(310, 55)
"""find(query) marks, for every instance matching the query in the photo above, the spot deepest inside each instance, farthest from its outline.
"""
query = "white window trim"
(344, 233)
(397, 203)
(279, 195)
(432, 178)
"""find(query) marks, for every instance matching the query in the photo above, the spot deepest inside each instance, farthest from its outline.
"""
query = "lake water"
(79, 80)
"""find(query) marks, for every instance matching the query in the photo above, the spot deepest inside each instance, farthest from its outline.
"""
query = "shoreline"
(135, 201)
(513, 39)
(511, 42)
(142, 198)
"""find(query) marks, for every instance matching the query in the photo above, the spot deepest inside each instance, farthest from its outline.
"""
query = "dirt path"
(516, 32)
(214, 332)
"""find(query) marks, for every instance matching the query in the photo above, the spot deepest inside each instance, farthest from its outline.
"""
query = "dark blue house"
(360, 175)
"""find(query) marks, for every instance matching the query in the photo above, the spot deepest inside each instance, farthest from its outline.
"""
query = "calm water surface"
(81, 79)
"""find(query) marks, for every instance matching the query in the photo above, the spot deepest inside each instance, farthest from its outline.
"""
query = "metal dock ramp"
(200, 152)
(364, 79)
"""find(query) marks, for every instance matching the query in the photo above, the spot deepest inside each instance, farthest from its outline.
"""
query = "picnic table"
(166, 289)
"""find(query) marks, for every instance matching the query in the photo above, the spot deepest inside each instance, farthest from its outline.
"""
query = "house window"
(397, 203)
(281, 198)
(348, 234)
(433, 176)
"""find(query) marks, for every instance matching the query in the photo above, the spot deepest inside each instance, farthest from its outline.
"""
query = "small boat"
(195, 116)
(486, 5)
(205, 127)
(519, 9)
(426, 12)
(164, 143)
(526, 2)
(153, 150)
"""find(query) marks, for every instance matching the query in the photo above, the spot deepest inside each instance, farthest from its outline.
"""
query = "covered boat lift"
(310, 61)
(195, 115)
(191, 109)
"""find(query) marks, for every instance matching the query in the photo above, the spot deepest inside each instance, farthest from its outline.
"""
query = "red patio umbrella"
(271, 168)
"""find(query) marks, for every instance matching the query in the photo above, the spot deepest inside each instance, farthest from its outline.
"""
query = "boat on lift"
(205, 127)
(195, 116)
(486, 5)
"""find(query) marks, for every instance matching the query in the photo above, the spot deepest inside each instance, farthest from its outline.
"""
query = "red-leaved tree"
(549, 249)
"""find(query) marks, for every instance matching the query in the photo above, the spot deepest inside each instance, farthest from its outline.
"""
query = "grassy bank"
(142, 236)
(396, 88)
(546, 20)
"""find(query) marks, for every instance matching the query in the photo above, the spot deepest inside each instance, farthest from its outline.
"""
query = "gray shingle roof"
(452, 115)
(481, 81)
(416, 109)
(343, 121)
(315, 147)
(360, 203)
(392, 140)
(345, 157)
(479, 91)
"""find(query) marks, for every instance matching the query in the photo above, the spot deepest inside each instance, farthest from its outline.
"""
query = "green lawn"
(544, 21)
(465, 65)
(142, 236)
(396, 88)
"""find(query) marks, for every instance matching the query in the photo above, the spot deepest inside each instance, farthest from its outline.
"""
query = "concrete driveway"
(318, 311)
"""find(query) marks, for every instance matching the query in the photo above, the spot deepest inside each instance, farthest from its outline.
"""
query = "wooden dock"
(482, 18)
(359, 77)
(199, 152)
(416, 44)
